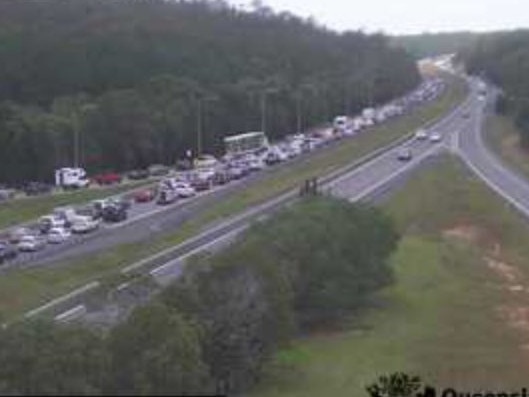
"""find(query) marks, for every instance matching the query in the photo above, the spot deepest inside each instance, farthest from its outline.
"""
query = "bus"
(249, 142)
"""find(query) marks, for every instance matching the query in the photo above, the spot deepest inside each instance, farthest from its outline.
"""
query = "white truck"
(71, 178)
(69, 215)
(339, 124)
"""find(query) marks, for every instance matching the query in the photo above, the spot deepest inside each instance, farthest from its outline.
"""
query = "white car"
(435, 137)
(31, 243)
(421, 134)
(256, 164)
(58, 235)
(84, 225)
(184, 189)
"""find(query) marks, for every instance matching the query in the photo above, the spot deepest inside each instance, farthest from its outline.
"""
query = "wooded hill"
(503, 58)
(133, 75)
(431, 44)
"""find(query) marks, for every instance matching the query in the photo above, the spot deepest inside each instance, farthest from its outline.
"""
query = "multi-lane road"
(461, 134)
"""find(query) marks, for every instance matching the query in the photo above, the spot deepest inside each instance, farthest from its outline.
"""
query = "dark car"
(158, 170)
(201, 184)
(36, 188)
(114, 213)
(138, 174)
(124, 201)
(7, 251)
(404, 154)
(221, 177)
(107, 178)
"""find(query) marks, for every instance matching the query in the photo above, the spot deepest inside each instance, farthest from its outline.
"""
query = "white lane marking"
(63, 298)
(495, 187)
(384, 181)
(222, 225)
(74, 312)
(204, 247)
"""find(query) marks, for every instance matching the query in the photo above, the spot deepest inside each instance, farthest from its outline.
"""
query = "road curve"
(470, 146)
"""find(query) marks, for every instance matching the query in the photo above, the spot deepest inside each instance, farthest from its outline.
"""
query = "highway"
(146, 221)
(510, 185)
(461, 133)
(358, 183)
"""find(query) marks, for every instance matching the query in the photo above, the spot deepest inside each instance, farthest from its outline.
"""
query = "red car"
(144, 196)
(108, 178)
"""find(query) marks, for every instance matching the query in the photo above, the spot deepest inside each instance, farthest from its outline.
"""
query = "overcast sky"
(408, 16)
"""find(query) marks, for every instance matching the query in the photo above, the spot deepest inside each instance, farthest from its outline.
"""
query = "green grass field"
(458, 314)
(24, 290)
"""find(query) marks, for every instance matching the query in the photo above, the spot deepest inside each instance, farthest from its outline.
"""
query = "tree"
(41, 358)
(157, 352)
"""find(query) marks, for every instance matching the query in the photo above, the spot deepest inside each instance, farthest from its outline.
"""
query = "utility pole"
(76, 141)
(199, 127)
(263, 112)
(201, 103)
(298, 113)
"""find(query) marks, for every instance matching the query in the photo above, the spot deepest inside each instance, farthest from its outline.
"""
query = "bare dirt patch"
(515, 312)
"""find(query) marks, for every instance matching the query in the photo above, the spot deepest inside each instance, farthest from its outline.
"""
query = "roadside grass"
(449, 318)
(34, 287)
(502, 137)
(21, 210)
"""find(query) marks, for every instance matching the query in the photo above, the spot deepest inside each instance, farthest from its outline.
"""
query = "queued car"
(48, 222)
(85, 225)
(158, 170)
(7, 252)
(31, 243)
(37, 188)
(200, 184)
(236, 171)
(221, 177)
(184, 190)
(115, 212)
(16, 235)
(166, 196)
(138, 174)
(58, 235)
(108, 178)
(6, 194)
(123, 201)
(144, 195)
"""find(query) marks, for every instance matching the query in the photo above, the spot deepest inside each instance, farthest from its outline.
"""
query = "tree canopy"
(130, 77)
(503, 58)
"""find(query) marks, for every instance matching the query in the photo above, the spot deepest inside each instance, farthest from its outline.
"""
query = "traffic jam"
(245, 154)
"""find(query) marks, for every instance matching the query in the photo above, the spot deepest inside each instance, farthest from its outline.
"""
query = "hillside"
(432, 44)
(133, 77)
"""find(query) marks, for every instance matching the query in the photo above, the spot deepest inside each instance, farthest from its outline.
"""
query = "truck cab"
(71, 178)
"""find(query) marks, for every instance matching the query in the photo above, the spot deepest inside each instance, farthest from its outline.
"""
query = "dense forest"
(217, 327)
(431, 44)
(131, 79)
(503, 59)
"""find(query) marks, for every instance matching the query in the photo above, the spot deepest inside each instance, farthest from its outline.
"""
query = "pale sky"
(408, 16)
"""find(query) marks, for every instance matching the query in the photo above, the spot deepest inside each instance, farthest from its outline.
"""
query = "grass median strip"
(36, 286)
(456, 315)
